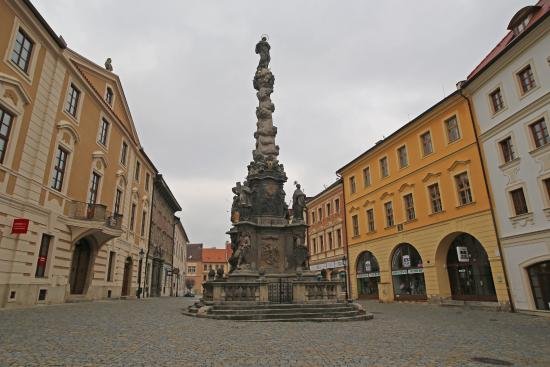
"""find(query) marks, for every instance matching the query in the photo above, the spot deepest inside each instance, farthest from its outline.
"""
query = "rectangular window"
(132, 217)
(6, 120)
(143, 221)
(94, 187)
(384, 172)
(314, 244)
(321, 244)
(43, 256)
(435, 198)
(355, 222)
(352, 186)
(22, 50)
(103, 132)
(339, 237)
(463, 187)
(518, 198)
(426, 140)
(118, 200)
(147, 178)
(366, 176)
(337, 205)
(453, 133)
(124, 153)
(205, 267)
(526, 79)
(109, 96)
(507, 149)
(111, 266)
(59, 168)
(388, 208)
(403, 159)
(370, 219)
(329, 209)
(191, 269)
(72, 100)
(409, 206)
(540, 133)
(497, 101)
(312, 217)
(320, 211)
(137, 171)
(329, 235)
(546, 183)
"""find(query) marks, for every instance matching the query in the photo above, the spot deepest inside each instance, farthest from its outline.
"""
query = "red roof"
(542, 7)
(214, 255)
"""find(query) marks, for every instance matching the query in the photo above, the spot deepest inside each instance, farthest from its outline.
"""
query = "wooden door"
(79, 268)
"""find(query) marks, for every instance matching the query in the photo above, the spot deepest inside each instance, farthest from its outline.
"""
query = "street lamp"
(141, 254)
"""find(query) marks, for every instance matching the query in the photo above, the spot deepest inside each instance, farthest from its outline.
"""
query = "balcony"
(93, 219)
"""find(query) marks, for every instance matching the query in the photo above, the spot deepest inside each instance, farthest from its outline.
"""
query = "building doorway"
(80, 266)
(539, 275)
(368, 276)
(127, 276)
(469, 270)
(156, 277)
(408, 274)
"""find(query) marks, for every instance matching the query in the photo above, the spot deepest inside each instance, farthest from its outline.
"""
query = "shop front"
(539, 276)
(368, 276)
(408, 274)
(469, 270)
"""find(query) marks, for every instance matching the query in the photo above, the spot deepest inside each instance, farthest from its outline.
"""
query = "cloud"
(347, 73)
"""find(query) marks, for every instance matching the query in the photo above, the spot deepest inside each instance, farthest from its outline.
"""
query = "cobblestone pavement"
(153, 332)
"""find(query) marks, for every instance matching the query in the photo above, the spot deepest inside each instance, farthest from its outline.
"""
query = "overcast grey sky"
(347, 73)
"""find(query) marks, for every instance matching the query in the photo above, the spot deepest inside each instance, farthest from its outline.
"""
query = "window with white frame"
(370, 219)
(384, 170)
(6, 120)
(366, 176)
(463, 188)
(526, 79)
(103, 132)
(435, 198)
(352, 186)
(426, 140)
(355, 225)
(497, 102)
(409, 206)
(453, 132)
(73, 98)
(22, 50)
(388, 209)
(402, 155)
(59, 168)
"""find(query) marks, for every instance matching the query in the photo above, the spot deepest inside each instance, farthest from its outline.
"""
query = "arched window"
(368, 276)
(408, 274)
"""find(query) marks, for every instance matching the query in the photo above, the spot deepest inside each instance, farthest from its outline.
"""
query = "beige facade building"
(179, 261)
(71, 168)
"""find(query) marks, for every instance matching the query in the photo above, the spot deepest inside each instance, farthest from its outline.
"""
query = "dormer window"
(521, 19)
(522, 25)
(109, 96)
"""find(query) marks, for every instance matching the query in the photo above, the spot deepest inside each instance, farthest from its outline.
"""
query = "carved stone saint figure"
(262, 48)
(242, 250)
(108, 65)
(298, 203)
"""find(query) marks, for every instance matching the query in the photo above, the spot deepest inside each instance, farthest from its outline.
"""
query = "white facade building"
(510, 95)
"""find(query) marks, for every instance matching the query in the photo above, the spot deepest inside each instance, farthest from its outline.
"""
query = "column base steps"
(280, 312)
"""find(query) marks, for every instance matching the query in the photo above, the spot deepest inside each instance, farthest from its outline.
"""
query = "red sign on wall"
(20, 225)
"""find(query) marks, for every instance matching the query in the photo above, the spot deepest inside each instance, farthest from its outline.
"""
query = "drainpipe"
(484, 170)
(345, 232)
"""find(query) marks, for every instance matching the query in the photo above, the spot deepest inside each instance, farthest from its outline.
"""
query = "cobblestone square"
(154, 332)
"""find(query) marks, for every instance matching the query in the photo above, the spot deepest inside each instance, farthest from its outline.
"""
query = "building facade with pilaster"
(510, 96)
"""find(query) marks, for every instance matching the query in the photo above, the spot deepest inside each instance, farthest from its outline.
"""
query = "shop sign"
(20, 225)
(368, 266)
(374, 274)
(399, 272)
(330, 265)
(359, 276)
(339, 264)
(406, 261)
(462, 252)
(415, 271)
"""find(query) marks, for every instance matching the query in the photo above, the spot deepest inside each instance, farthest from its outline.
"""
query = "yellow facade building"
(71, 168)
(418, 217)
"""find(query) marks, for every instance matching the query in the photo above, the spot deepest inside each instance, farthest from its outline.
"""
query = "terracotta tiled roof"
(214, 255)
(502, 46)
